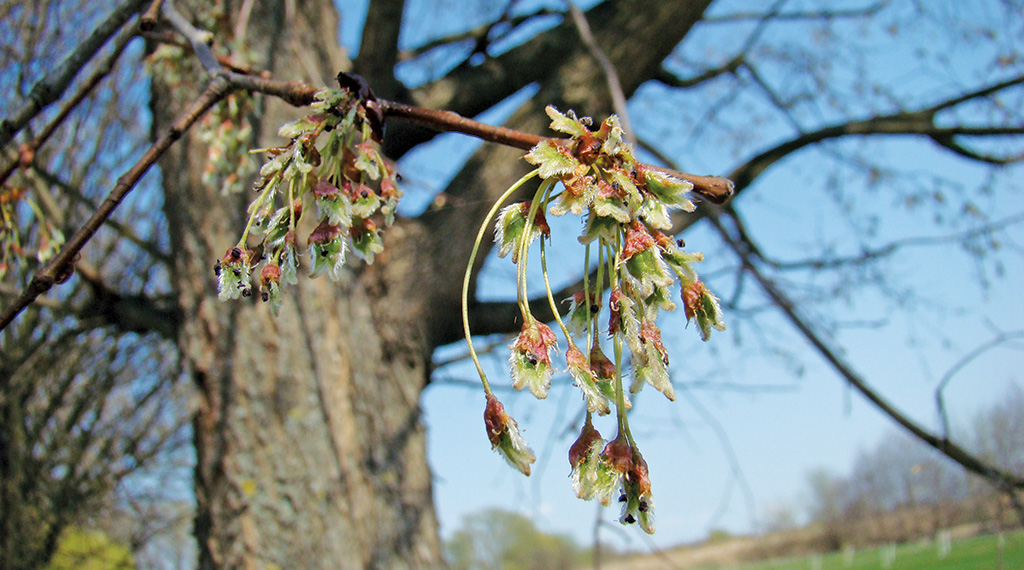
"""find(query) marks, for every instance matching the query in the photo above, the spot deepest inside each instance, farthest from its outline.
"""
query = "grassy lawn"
(979, 553)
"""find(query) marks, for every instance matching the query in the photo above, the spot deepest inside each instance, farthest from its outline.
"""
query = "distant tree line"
(902, 490)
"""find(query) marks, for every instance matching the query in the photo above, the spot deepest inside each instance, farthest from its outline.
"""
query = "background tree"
(307, 426)
(500, 540)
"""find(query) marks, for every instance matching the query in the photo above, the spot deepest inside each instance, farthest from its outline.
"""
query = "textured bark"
(308, 438)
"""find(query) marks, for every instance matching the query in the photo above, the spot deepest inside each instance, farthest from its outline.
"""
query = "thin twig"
(54, 84)
(94, 79)
(607, 68)
(60, 266)
(1001, 479)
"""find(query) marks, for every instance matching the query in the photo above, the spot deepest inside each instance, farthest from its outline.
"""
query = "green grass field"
(979, 553)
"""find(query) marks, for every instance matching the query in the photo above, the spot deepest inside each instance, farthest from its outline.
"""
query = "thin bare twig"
(1008, 482)
(979, 350)
(151, 16)
(61, 266)
(607, 68)
(54, 84)
(94, 79)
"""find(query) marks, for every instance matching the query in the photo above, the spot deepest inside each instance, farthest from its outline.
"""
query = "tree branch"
(1001, 479)
(28, 150)
(60, 267)
(54, 84)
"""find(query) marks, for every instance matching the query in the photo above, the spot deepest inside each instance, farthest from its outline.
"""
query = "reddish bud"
(638, 239)
(578, 451)
(324, 233)
(495, 419)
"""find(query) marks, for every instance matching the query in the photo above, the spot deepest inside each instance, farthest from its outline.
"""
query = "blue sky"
(758, 410)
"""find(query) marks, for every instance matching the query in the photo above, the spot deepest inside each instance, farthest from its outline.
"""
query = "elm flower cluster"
(626, 207)
(331, 168)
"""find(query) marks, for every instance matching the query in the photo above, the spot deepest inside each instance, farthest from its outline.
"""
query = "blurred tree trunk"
(308, 438)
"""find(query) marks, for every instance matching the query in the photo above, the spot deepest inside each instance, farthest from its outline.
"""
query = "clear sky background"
(756, 408)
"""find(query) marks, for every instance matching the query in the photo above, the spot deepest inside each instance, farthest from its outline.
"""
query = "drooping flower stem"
(538, 203)
(550, 295)
(469, 273)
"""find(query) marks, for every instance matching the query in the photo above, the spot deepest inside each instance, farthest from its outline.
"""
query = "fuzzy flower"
(531, 357)
(552, 159)
(366, 240)
(327, 250)
(510, 229)
(270, 285)
(664, 193)
(233, 278)
(332, 203)
(364, 201)
(636, 499)
(645, 268)
(581, 313)
(290, 261)
(585, 461)
(650, 363)
(701, 305)
(578, 194)
(624, 319)
(503, 433)
(584, 377)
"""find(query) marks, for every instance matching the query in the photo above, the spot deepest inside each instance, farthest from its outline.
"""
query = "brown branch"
(102, 70)
(1001, 479)
(53, 84)
(151, 16)
(61, 266)
(712, 188)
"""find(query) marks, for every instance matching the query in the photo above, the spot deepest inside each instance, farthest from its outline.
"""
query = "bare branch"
(54, 84)
(870, 10)
(102, 70)
(611, 76)
(61, 266)
(151, 16)
(920, 122)
(1001, 479)
(994, 342)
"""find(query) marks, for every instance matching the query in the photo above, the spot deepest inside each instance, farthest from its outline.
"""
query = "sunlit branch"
(55, 83)
(1003, 480)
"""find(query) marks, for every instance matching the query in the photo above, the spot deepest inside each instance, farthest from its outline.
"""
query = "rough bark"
(309, 445)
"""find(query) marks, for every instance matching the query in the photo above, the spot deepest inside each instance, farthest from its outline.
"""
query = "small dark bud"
(643, 506)
(622, 498)
(630, 519)
(237, 272)
(235, 253)
(265, 296)
(247, 292)
(680, 242)
(595, 308)
(216, 268)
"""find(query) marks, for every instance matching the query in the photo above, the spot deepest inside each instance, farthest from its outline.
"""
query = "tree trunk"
(309, 447)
